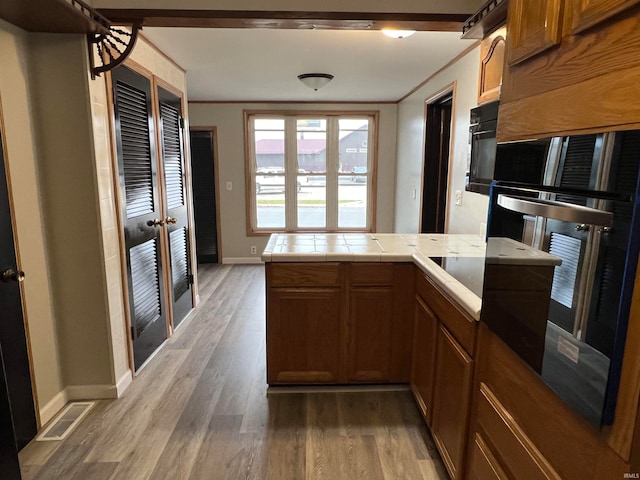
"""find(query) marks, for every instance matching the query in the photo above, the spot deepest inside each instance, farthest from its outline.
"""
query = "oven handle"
(556, 210)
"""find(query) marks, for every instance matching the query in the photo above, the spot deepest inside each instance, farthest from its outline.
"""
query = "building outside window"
(310, 172)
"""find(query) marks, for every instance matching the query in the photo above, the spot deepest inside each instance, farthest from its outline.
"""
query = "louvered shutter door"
(137, 169)
(175, 197)
(577, 166)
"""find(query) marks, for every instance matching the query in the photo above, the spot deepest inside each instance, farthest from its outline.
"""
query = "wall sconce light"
(398, 33)
(315, 80)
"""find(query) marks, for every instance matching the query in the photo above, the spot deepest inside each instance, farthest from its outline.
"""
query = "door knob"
(582, 228)
(156, 222)
(171, 220)
(12, 275)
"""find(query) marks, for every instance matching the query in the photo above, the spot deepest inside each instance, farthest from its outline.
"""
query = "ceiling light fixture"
(315, 80)
(398, 33)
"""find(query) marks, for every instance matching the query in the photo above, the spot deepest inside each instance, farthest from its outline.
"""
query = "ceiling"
(263, 64)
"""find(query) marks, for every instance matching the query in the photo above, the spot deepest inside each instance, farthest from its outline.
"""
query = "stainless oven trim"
(556, 210)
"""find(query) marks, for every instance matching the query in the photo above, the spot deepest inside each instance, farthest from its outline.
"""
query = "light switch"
(414, 194)
(458, 197)
(229, 186)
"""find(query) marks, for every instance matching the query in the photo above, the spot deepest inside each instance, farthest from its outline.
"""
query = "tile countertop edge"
(465, 298)
(468, 300)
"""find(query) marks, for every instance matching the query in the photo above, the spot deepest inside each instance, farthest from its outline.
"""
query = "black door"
(436, 165)
(204, 195)
(13, 339)
(141, 210)
(177, 219)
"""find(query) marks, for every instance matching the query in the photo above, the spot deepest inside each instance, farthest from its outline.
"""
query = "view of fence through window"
(331, 159)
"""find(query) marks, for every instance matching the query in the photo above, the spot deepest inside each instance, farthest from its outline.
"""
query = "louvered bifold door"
(141, 214)
(171, 134)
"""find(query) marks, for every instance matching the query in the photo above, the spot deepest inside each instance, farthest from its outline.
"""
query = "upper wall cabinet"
(587, 13)
(491, 66)
(533, 28)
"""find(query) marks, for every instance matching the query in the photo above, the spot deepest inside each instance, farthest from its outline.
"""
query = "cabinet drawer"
(461, 326)
(303, 274)
(483, 464)
(518, 454)
(368, 274)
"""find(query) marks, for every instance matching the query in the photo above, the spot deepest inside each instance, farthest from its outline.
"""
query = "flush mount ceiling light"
(398, 33)
(315, 80)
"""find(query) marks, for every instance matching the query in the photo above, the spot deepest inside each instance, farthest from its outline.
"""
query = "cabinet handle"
(156, 222)
(171, 220)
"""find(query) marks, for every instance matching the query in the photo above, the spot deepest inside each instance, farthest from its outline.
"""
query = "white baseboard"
(83, 392)
(124, 383)
(91, 392)
(247, 260)
(52, 407)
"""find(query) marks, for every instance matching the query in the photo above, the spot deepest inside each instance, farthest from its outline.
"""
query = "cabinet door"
(451, 401)
(483, 464)
(491, 66)
(370, 334)
(303, 335)
(587, 13)
(425, 336)
(533, 27)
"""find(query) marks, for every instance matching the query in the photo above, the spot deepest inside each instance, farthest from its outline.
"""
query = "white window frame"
(332, 174)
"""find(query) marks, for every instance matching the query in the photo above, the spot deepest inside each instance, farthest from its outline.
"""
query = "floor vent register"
(65, 422)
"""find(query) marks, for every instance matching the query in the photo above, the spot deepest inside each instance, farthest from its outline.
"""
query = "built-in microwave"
(489, 160)
(569, 320)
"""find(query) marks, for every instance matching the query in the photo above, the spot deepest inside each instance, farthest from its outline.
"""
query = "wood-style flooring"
(200, 410)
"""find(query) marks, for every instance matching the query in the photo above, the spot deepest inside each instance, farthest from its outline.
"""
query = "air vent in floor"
(65, 422)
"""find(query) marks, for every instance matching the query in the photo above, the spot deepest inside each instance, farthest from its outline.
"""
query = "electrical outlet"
(253, 250)
(458, 197)
(229, 186)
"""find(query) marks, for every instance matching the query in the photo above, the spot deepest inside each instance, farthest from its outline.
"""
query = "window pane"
(312, 146)
(354, 135)
(352, 203)
(312, 201)
(268, 124)
(270, 148)
(270, 201)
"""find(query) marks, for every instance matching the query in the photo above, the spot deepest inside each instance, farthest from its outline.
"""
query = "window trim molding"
(250, 199)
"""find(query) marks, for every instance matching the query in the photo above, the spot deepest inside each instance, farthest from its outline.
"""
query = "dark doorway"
(436, 164)
(205, 212)
(18, 423)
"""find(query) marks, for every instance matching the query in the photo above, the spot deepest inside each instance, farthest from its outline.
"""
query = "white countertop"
(395, 247)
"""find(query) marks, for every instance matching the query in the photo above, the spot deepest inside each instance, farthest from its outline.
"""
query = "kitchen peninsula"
(385, 309)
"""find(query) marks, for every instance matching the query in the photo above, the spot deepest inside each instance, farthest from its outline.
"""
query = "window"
(310, 172)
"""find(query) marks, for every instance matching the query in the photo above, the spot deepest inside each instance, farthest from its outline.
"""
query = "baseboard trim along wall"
(247, 260)
(52, 408)
(83, 392)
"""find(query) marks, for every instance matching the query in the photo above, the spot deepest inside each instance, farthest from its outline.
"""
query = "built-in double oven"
(568, 320)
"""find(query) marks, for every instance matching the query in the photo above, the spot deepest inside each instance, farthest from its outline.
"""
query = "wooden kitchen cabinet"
(339, 323)
(533, 28)
(587, 13)
(492, 51)
(369, 333)
(303, 335)
(584, 83)
(425, 335)
(451, 401)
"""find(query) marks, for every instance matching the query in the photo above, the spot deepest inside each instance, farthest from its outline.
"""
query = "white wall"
(21, 159)
(410, 152)
(228, 118)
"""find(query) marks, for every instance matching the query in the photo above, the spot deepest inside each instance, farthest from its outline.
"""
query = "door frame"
(449, 89)
(156, 83)
(16, 245)
(216, 179)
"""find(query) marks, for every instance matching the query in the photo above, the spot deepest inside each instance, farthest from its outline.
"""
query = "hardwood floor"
(200, 410)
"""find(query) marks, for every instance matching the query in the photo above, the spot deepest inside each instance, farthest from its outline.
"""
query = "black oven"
(489, 160)
(568, 318)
